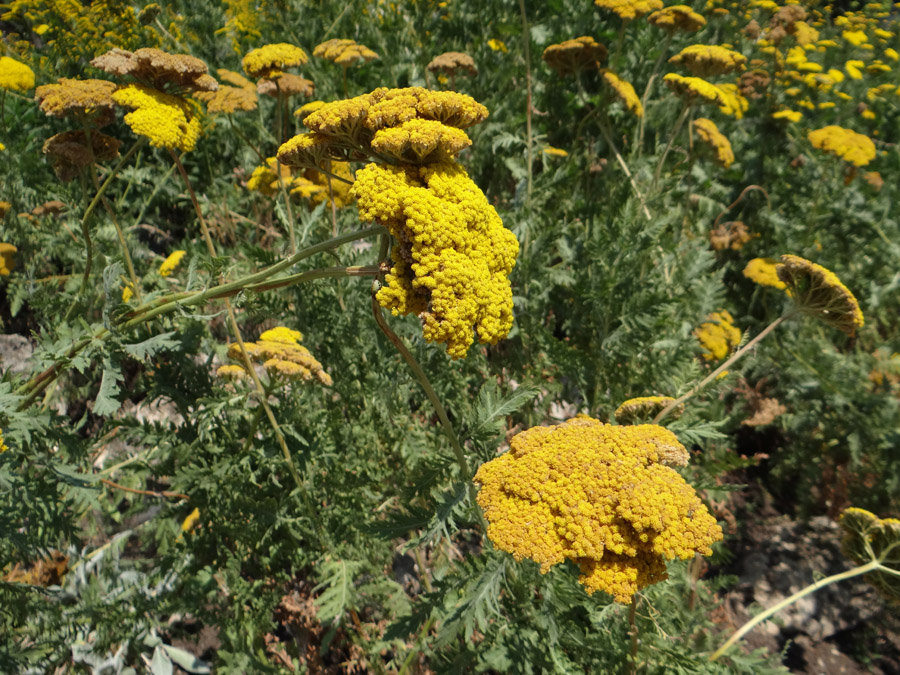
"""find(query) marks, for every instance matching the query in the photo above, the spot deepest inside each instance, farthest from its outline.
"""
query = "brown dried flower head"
(452, 63)
(158, 69)
(570, 56)
(70, 151)
(84, 98)
(753, 84)
(287, 84)
(731, 235)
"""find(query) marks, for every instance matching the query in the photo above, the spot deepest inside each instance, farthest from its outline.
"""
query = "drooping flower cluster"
(709, 133)
(453, 256)
(280, 353)
(344, 52)
(645, 408)
(707, 60)
(15, 75)
(677, 18)
(604, 497)
(818, 292)
(854, 148)
(623, 91)
(630, 9)
(763, 272)
(718, 335)
(570, 56)
(868, 537)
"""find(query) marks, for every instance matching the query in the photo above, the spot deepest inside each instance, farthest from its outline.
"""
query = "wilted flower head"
(645, 408)
(344, 52)
(623, 91)
(694, 89)
(175, 73)
(763, 272)
(709, 133)
(271, 59)
(82, 98)
(856, 149)
(580, 53)
(452, 63)
(601, 496)
(677, 18)
(15, 75)
(70, 152)
(731, 235)
(630, 9)
(718, 335)
(868, 538)
(286, 84)
(707, 60)
(819, 293)
(168, 121)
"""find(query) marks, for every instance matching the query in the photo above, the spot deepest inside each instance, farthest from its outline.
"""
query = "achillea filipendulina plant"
(171, 262)
(734, 104)
(763, 272)
(271, 59)
(629, 9)
(604, 497)
(818, 292)
(708, 60)
(718, 335)
(167, 121)
(227, 100)
(86, 99)
(694, 89)
(7, 258)
(854, 148)
(15, 75)
(176, 74)
(677, 18)
(280, 353)
(344, 52)
(623, 91)
(570, 56)
(644, 408)
(709, 133)
(868, 537)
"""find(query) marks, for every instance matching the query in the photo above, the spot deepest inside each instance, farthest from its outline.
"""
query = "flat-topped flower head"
(420, 141)
(818, 292)
(227, 100)
(623, 91)
(630, 9)
(763, 272)
(70, 153)
(270, 59)
(308, 109)
(344, 52)
(853, 148)
(694, 89)
(453, 256)
(868, 538)
(718, 335)
(78, 98)
(452, 63)
(286, 84)
(677, 19)
(709, 134)
(644, 409)
(15, 75)
(168, 121)
(601, 496)
(280, 353)
(235, 79)
(708, 60)
(570, 56)
(173, 73)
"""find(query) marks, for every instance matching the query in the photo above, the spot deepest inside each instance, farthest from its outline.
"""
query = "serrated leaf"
(149, 347)
(338, 593)
(107, 403)
(73, 477)
(444, 518)
(480, 598)
(491, 407)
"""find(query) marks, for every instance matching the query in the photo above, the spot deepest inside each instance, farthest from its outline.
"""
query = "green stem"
(662, 160)
(607, 134)
(640, 137)
(633, 632)
(722, 368)
(526, 46)
(787, 602)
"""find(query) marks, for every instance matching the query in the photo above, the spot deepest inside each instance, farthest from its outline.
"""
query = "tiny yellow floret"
(171, 262)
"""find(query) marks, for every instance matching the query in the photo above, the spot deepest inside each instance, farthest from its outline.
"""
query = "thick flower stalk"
(604, 497)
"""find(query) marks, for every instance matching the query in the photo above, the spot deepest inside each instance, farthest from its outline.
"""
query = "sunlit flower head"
(694, 89)
(171, 262)
(15, 75)
(629, 9)
(82, 98)
(344, 52)
(763, 272)
(274, 58)
(677, 18)
(818, 292)
(227, 100)
(708, 60)
(168, 121)
(173, 73)
(623, 91)
(854, 148)
(718, 336)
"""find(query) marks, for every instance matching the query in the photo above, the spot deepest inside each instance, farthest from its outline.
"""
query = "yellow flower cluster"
(623, 91)
(77, 97)
(264, 179)
(718, 335)
(604, 497)
(497, 45)
(734, 104)
(15, 75)
(677, 18)
(270, 59)
(453, 256)
(630, 9)
(311, 184)
(645, 408)
(344, 52)
(818, 292)
(171, 262)
(281, 354)
(341, 129)
(168, 121)
(868, 537)
(762, 271)
(857, 149)
(3, 446)
(694, 89)
(570, 56)
(709, 133)
(789, 115)
(7, 258)
(707, 60)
